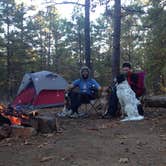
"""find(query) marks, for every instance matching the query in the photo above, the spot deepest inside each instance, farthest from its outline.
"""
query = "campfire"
(23, 123)
(17, 117)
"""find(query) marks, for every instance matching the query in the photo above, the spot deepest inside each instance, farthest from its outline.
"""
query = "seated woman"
(82, 90)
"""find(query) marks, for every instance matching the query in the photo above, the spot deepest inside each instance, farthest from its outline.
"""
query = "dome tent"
(41, 89)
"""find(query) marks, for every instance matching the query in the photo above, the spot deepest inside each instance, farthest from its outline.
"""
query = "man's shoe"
(74, 115)
(65, 112)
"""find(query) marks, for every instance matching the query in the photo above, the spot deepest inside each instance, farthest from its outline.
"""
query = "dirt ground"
(93, 142)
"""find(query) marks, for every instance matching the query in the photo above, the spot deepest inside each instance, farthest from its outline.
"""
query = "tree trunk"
(87, 33)
(116, 39)
(80, 48)
(22, 24)
(8, 47)
(49, 41)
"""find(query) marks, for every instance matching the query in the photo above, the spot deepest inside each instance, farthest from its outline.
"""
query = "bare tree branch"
(133, 10)
(64, 3)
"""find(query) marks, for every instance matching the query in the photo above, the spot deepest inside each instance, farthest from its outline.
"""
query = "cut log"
(44, 124)
(155, 101)
(23, 132)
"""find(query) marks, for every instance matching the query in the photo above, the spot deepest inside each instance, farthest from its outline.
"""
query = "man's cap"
(83, 68)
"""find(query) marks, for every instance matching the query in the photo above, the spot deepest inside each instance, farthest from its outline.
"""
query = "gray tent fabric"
(25, 82)
(43, 80)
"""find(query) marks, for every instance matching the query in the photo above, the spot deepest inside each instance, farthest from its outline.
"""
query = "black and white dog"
(127, 99)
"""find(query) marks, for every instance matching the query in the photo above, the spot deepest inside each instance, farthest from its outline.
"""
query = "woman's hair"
(126, 64)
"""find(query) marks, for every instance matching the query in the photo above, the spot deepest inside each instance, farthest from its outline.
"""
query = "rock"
(42, 145)
(23, 132)
(123, 160)
(48, 135)
(126, 149)
(122, 142)
(9, 144)
(5, 131)
(139, 143)
(28, 143)
(163, 137)
(9, 140)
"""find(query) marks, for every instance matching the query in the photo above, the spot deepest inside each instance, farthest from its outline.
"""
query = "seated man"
(133, 79)
(82, 90)
(113, 100)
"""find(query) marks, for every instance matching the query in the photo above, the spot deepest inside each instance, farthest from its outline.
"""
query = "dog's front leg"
(122, 107)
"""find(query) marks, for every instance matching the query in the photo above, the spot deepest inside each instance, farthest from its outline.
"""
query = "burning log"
(43, 124)
(16, 117)
(11, 114)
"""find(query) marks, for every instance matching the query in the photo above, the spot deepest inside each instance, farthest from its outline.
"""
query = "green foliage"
(45, 41)
(101, 43)
(155, 45)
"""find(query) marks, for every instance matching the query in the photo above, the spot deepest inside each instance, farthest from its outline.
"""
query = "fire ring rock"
(5, 131)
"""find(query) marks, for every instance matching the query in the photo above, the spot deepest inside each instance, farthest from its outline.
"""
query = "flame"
(14, 120)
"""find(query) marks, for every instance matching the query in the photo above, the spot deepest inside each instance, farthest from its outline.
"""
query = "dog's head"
(105, 89)
(120, 78)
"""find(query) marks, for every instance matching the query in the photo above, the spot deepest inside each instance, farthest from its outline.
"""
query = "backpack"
(140, 90)
(136, 81)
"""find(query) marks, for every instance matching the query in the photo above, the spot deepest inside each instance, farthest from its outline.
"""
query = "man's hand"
(70, 87)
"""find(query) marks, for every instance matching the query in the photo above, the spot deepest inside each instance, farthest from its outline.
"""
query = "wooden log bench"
(155, 101)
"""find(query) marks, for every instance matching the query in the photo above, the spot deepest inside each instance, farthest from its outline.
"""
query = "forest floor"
(93, 142)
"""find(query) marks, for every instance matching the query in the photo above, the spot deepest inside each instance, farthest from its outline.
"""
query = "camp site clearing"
(93, 142)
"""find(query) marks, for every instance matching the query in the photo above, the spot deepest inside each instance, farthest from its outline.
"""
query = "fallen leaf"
(44, 159)
(48, 135)
(42, 145)
(27, 143)
(123, 137)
